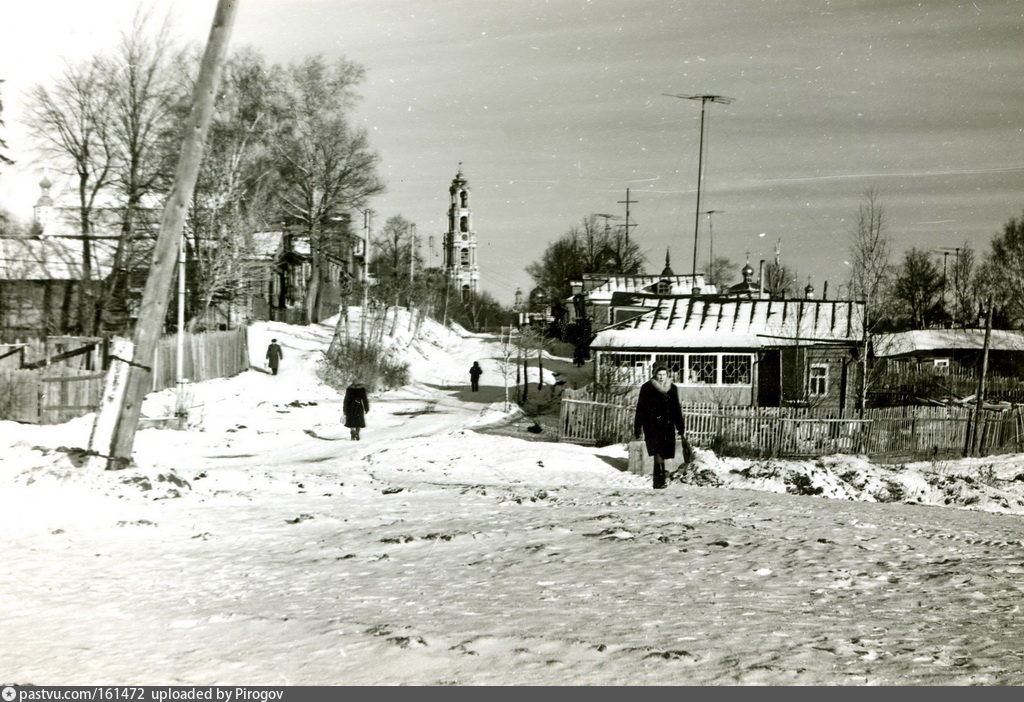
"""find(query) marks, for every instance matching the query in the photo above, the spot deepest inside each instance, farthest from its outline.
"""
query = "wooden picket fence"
(209, 355)
(55, 393)
(891, 432)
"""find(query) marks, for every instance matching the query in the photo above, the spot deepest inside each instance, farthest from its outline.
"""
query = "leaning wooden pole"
(979, 399)
(158, 284)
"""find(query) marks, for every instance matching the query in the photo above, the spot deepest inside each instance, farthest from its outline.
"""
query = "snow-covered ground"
(261, 546)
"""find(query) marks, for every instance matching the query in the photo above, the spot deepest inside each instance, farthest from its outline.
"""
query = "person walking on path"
(474, 375)
(274, 356)
(355, 407)
(659, 416)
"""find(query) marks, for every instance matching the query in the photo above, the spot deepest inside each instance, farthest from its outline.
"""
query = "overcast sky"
(556, 107)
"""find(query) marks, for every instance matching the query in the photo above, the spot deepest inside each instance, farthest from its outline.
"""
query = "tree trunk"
(313, 288)
(85, 294)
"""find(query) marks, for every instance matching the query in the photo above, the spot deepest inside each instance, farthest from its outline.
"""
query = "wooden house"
(280, 272)
(944, 351)
(739, 351)
(41, 284)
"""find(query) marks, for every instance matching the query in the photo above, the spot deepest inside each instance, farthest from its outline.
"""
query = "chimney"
(824, 291)
(760, 279)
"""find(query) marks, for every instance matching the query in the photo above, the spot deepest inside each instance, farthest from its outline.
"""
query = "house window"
(465, 198)
(735, 369)
(818, 380)
(464, 257)
(464, 224)
(663, 288)
(675, 363)
(625, 368)
(703, 369)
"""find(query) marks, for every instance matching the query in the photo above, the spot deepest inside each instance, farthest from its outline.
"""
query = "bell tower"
(460, 262)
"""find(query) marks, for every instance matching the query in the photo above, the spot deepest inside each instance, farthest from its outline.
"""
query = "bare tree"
(392, 249)
(71, 123)
(142, 92)
(720, 272)
(234, 196)
(586, 248)
(326, 164)
(917, 290)
(3, 144)
(870, 253)
(1003, 272)
(508, 365)
(779, 280)
(966, 295)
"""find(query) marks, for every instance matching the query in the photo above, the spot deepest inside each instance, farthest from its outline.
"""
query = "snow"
(261, 546)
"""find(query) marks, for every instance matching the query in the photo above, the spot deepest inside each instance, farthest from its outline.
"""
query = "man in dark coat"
(355, 407)
(474, 375)
(274, 356)
(659, 415)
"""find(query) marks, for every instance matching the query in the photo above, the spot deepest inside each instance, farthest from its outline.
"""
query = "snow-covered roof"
(266, 244)
(689, 322)
(678, 285)
(922, 340)
(51, 258)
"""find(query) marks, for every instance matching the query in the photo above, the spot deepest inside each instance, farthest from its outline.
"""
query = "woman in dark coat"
(474, 375)
(355, 406)
(659, 416)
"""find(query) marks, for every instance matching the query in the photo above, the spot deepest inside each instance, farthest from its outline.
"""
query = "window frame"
(814, 381)
(639, 364)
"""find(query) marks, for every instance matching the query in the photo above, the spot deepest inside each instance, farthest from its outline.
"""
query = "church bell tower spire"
(460, 248)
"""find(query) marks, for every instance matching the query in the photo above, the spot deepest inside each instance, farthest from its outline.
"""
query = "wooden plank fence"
(891, 432)
(56, 393)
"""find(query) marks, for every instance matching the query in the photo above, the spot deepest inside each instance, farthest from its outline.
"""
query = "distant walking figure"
(474, 375)
(355, 407)
(274, 356)
(659, 416)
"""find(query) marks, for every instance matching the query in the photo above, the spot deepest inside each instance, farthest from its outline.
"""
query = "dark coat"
(274, 355)
(475, 371)
(355, 406)
(659, 416)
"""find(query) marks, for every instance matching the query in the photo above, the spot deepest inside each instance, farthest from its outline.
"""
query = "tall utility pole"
(946, 251)
(711, 245)
(181, 410)
(154, 298)
(979, 400)
(367, 219)
(627, 202)
(704, 100)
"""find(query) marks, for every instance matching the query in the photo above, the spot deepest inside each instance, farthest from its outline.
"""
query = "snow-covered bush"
(351, 361)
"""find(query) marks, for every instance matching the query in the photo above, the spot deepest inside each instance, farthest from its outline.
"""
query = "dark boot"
(356, 433)
(659, 473)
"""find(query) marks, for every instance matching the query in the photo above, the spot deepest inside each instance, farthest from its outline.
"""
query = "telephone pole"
(627, 202)
(704, 100)
(711, 244)
(155, 295)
